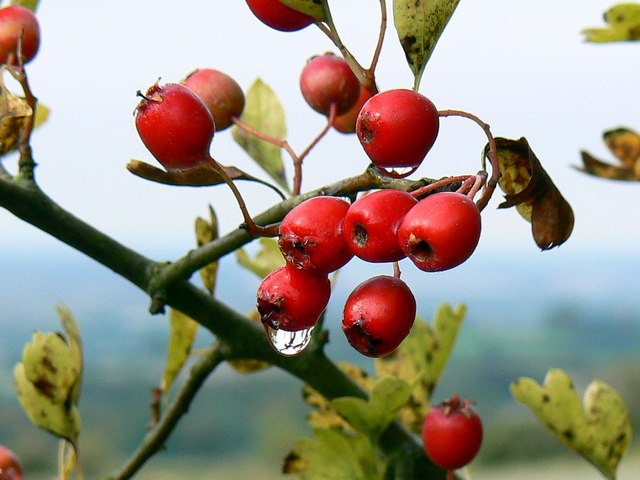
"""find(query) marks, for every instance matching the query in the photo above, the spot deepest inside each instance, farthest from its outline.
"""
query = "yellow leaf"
(599, 430)
(421, 359)
(181, 337)
(207, 232)
(623, 25)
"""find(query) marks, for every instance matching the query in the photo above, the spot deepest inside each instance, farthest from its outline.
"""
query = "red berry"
(441, 231)
(292, 299)
(396, 129)
(346, 123)
(14, 22)
(311, 235)
(10, 466)
(371, 224)
(278, 16)
(378, 315)
(452, 433)
(175, 125)
(220, 93)
(328, 80)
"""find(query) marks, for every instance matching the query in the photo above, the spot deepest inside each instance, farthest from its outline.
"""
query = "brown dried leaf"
(624, 143)
(528, 187)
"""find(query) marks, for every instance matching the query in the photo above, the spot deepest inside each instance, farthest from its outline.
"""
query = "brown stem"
(26, 165)
(252, 228)
(267, 138)
(297, 178)
(422, 191)
(492, 183)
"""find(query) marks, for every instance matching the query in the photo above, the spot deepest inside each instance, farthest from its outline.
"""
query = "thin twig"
(159, 434)
(492, 183)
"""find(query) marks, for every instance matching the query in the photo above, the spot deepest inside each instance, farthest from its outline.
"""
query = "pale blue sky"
(521, 66)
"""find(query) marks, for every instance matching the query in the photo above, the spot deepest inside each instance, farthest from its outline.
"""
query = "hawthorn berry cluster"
(322, 234)
(19, 35)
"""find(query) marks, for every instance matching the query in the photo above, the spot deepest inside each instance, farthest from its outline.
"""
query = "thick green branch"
(240, 337)
(200, 257)
(26, 201)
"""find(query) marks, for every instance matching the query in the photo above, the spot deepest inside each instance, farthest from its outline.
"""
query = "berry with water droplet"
(397, 128)
(292, 299)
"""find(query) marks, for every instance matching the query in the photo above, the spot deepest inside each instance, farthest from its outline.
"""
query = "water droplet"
(398, 172)
(289, 343)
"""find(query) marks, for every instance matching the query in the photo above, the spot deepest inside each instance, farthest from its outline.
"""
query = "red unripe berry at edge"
(441, 231)
(15, 21)
(175, 125)
(292, 299)
(278, 16)
(328, 80)
(346, 123)
(10, 465)
(311, 235)
(452, 433)
(371, 224)
(378, 315)
(219, 92)
(397, 128)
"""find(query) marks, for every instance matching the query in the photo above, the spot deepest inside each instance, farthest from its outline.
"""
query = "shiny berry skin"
(278, 16)
(175, 125)
(10, 466)
(378, 315)
(220, 93)
(346, 123)
(397, 128)
(15, 21)
(441, 231)
(371, 224)
(328, 80)
(452, 433)
(292, 299)
(311, 235)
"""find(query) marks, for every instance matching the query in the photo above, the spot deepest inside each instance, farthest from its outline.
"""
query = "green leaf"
(372, 416)
(623, 25)
(314, 8)
(30, 4)
(48, 379)
(600, 430)
(265, 261)
(264, 113)
(333, 455)
(181, 337)
(421, 358)
(419, 24)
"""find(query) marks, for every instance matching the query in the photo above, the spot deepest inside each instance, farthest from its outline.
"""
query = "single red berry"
(346, 123)
(397, 128)
(10, 466)
(441, 231)
(328, 80)
(175, 125)
(452, 433)
(292, 299)
(278, 16)
(311, 235)
(220, 93)
(378, 315)
(17, 22)
(371, 224)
